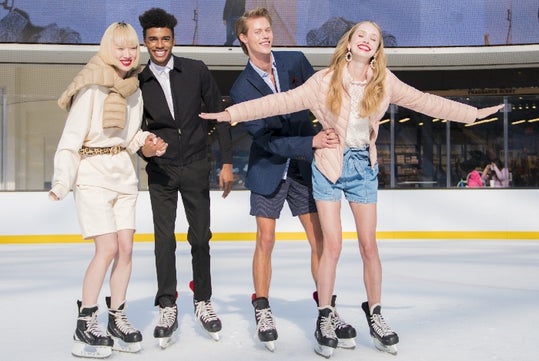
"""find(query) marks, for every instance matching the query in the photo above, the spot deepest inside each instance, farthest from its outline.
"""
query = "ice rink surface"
(448, 300)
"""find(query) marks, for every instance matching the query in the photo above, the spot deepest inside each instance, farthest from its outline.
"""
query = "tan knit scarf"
(97, 72)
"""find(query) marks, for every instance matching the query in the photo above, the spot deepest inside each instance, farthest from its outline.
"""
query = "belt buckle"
(115, 149)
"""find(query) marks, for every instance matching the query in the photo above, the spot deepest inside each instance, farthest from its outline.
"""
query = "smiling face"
(159, 42)
(259, 37)
(365, 41)
(124, 56)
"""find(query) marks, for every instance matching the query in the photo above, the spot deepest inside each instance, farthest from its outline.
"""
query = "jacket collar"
(147, 73)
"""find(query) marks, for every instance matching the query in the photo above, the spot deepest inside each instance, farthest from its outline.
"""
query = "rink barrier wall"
(459, 214)
(286, 236)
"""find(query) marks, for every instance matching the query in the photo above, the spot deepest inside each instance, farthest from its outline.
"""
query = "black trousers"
(192, 182)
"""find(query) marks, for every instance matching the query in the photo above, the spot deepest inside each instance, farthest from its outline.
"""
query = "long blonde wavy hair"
(374, 91)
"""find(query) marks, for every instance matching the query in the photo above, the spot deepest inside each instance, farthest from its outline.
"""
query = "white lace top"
(358, 130)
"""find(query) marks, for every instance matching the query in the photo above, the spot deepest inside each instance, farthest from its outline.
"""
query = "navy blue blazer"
(277, 138)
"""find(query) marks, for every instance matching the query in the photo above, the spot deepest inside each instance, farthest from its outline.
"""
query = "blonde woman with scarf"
(102, 129)
(351, 96)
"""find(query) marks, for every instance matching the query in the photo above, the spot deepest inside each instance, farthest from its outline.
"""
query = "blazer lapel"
(284, 80)
(257, 81)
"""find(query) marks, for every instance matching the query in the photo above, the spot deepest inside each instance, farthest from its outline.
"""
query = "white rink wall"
(493, 213)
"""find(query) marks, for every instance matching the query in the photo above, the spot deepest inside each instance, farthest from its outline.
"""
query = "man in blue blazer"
(280, 158)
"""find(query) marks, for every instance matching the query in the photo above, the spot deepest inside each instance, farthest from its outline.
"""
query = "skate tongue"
(376, 308)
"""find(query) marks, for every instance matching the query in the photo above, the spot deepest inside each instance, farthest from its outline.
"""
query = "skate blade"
(324, 351)
(214, 335)
(391, 349)
(81, 349)
(165, 342)
(129, 347)
(346, 343)
(269, 345)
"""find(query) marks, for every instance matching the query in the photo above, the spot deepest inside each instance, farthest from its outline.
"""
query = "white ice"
(448, 300)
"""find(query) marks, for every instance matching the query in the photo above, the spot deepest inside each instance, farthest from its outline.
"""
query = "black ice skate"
(345, 332)
(126, 337)
(384, 338)
(167, 324)
(265, 326)
(89, 340)
(326, 339)
(206, 316)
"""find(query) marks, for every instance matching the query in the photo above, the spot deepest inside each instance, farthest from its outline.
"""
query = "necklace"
(358, 82)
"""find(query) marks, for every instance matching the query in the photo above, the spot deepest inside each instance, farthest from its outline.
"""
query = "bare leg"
(330, 221)
(121, 268)
(106, 247)
(265, 240)
(365, 219)
(313, 230)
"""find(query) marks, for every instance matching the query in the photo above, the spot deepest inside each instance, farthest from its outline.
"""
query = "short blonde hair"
(242, 27)
(119, 34)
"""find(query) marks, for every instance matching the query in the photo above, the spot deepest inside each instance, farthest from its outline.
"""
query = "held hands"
(326, 138)
(220, 117)
(485, 112)
(154, 146)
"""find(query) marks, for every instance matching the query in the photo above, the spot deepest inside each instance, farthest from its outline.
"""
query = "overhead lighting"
(420, 124)
(384, 121)
(517, 122)
(481, 122)
(436, 120)
(533, 120)
(404, 120)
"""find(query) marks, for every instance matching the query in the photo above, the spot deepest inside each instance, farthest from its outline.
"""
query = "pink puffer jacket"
(312, 95)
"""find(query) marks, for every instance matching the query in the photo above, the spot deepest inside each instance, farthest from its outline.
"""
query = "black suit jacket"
(193, 89)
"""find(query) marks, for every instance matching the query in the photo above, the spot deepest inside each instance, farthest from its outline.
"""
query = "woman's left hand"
(220, 117)
(485, 112)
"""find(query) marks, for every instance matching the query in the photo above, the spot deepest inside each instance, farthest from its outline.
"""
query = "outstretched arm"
(220, 117)
(485, 112)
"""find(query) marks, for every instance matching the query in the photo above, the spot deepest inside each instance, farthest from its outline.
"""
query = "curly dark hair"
(157, 18)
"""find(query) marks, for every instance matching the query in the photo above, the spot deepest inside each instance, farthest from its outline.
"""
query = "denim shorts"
(358, 181)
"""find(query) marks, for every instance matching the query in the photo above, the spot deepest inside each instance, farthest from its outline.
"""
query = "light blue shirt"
(266, 77)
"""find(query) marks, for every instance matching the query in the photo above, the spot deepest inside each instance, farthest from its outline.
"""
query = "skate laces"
(338, 323)
(121, 321)
(204, 311)
(327, 326)
(167, 316)
(264, 319)
(91, 325)
(380, 326)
